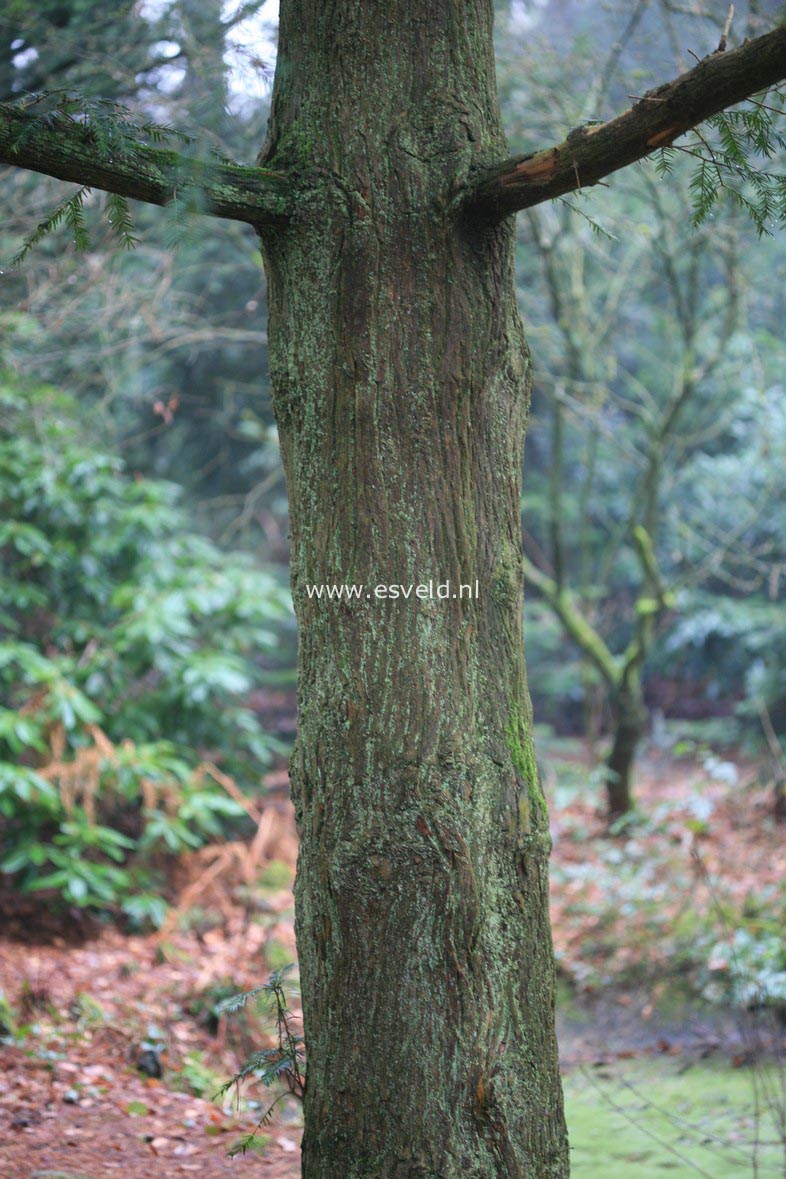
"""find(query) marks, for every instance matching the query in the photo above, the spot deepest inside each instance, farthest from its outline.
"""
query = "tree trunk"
(629, 720)
(401, 382)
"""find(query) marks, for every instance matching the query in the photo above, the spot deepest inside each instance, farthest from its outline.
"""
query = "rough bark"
(401, 383)
(65, 149)
(656, 120)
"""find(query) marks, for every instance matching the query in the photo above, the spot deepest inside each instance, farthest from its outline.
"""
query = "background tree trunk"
(629, 720)
(401, 383)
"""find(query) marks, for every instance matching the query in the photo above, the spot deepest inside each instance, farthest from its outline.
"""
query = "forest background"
(147, 647)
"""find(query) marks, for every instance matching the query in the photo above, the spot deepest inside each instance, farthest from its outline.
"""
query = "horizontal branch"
(656, 120)
(65, 148)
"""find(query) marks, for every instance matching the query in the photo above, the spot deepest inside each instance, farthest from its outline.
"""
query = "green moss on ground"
(275, 876)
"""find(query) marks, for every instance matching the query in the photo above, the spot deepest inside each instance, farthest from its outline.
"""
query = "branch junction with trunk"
(258, 196)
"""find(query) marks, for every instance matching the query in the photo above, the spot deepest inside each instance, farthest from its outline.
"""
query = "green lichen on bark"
(521, 744)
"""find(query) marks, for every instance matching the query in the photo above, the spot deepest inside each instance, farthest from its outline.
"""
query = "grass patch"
(648, 1118)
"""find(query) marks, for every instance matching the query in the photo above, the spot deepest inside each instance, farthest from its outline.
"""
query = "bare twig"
(726, 29)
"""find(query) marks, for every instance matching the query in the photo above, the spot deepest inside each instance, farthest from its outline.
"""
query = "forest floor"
(644, 927)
